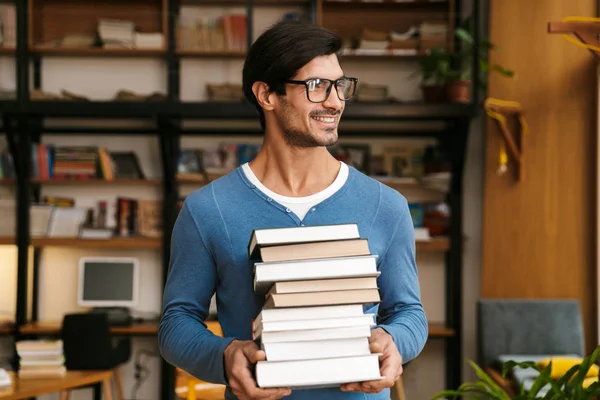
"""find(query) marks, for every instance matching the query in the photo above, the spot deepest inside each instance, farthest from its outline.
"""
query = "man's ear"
(265, 98)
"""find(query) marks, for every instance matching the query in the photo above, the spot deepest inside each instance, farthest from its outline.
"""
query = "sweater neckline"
(326, 201)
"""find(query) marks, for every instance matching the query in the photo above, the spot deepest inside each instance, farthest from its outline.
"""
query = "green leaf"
(504, 71)
(489, 381)
(464, 35)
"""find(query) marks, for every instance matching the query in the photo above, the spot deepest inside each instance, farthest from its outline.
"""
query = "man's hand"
(238, 357)
(390, 364)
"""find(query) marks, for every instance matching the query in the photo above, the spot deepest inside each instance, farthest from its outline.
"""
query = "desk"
(136, 329)
(27, 388)
(436, 330)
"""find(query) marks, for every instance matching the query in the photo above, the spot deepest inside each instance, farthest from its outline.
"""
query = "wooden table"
(27, 388)
(135, 329)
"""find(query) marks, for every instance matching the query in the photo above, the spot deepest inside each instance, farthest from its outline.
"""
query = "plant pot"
(459, 91)
(434, 93)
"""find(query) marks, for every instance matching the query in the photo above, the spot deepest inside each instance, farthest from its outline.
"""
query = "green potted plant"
(447, 76)
(459, 77)
(573, 385)
(434, 67)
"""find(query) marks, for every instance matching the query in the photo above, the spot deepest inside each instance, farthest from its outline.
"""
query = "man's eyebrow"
(319, 77)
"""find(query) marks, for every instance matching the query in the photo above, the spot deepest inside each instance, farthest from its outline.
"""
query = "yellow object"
(503, 157)
(587, 382)
(501, 118)
(561, 365)
(494, 109)
(575, 41)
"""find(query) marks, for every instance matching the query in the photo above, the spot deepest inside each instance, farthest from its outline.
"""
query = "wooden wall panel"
(539, 234)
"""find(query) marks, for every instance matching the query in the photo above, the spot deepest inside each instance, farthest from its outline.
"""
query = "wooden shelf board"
(158, 181)
(150, 328)
(117, 242)
(6, 240)
(7, 50)
(7, 329)
(84, 182)
(389, 54)
(399, 2)
(97, 52)
(210, 54)
(440, 330)
(434, 244)
(53, 327)
(240, 110)
(243, 2)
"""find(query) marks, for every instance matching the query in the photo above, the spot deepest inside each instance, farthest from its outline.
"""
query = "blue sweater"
(209, 254)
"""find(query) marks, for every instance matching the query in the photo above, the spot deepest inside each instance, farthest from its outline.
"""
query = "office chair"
(89, 345)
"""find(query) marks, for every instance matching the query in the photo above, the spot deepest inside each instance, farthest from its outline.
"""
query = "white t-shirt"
(300, 205)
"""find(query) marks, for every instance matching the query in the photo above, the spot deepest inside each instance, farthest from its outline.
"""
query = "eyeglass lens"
(318, 89)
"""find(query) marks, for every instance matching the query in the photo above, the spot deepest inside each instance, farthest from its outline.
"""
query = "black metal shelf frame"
(23, 123)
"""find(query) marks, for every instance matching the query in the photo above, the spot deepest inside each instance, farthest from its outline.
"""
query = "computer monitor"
(108, 282)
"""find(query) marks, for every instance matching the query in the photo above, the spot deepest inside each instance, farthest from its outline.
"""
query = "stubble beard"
(302, 139)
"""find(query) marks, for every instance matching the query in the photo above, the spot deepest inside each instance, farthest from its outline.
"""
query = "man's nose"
(333, 101)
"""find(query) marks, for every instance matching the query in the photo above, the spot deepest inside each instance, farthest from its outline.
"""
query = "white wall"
(101, 78)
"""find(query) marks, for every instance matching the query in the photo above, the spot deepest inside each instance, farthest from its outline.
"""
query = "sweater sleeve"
(401, 313)
(183, 338)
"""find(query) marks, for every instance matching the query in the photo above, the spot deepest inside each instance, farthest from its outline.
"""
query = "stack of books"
(41, 359)
(312, 326)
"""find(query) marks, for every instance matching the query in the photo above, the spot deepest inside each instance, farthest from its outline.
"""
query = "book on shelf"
(312, 326)
(40, 359)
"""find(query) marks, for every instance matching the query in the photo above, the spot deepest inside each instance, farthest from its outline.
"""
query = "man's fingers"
(351, 387)
(254, 355)
(268, 393)
(378, 385)
(375, 347)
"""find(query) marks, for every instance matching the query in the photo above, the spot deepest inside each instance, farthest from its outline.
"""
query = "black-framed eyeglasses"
(318, 89)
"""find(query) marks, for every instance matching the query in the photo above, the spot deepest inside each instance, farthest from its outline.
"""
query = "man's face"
(305, 123)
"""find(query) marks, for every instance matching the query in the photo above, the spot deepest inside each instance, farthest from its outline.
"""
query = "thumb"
(254, 355)
(376, 347)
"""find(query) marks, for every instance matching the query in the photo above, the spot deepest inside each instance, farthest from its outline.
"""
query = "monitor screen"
(108, 282)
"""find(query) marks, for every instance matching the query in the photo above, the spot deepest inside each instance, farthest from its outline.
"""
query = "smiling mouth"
(325, 119)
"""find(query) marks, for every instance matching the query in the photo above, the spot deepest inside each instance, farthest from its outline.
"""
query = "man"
(293, 76)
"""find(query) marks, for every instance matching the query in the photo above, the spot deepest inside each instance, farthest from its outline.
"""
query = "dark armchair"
(526, 329)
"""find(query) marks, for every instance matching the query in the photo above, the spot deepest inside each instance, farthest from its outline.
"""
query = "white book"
(327, 372)
(317, 349)
(300, 234)
(316, 334)
(322, 323)
(267, 273)
(301, 313)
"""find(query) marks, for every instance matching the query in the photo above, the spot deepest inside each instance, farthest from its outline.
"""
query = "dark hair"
(281, 51)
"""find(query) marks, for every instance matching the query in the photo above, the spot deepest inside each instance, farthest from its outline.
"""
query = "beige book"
(322, 298)
(304, 251)
(324, 285)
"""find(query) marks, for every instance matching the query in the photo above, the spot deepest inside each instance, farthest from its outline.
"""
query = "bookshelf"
(40, 22)
(150, 329)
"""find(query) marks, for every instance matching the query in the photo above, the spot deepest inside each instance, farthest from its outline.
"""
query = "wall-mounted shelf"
(112, 243)
(87, 182)
(97, 52)
(216, 110)
(500, 110)
(585, 29)
(7, 241)
(210, 54)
